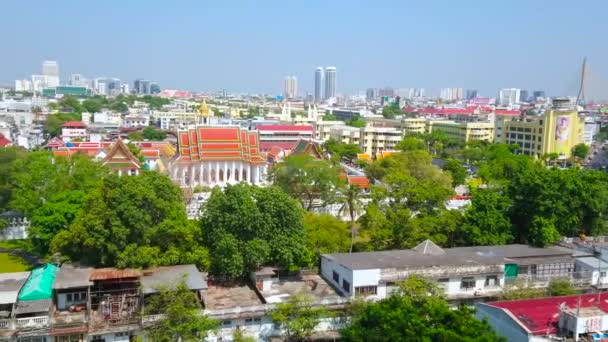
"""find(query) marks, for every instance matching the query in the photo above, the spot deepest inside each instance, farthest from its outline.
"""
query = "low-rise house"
(10, 285)
(71, 309)
(592, 271)
(465, 273)
(33, 307)
(72, 130)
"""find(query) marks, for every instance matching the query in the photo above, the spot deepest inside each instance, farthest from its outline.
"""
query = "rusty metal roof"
(114, 273)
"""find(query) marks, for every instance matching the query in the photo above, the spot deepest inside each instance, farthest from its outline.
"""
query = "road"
(598, 156)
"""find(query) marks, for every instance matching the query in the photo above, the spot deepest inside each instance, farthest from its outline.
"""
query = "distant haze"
(250, 46)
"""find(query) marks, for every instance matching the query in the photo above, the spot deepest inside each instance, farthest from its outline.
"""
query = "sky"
(250, 46)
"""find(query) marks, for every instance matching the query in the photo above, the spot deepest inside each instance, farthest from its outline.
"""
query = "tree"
(150, 133)
(390, 111)
(486, 221)
(329, 117)
(71, 103)
(409, 143)
(239, 336)
(560, 287)
(580, 151)
(325, 234)
(351, 204)
(54, 122)
(92, 106)
(135, 136)
(459, 173)
(181, 318)
(348, 151)
(312, 182)
(416, 313)
(297, 317)
(136, 221)
(253, 226)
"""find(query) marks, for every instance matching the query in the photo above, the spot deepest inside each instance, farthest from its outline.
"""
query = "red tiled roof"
(4, 141)
(275, 151)
(268, 145)
(360, 181)
(506, 112)
(541, 315)
(78, 124)
(113, 273)
(219, 143)
(284, 128)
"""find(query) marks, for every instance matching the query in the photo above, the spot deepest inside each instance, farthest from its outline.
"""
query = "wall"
(328, 266)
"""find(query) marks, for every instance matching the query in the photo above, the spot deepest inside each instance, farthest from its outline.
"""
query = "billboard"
(562, 128)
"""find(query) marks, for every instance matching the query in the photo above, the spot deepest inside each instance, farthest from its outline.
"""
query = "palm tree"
(351, 204)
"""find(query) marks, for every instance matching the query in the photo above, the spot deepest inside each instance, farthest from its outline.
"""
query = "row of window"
(248, 321)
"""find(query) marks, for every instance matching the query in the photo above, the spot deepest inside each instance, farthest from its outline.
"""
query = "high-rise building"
(318, 84)
(471, 94)
(330, 82)
(509, 96)
(538, 94)
(451, 94)
(154, 88)
(290, 88)
(371, 94)
(141, 87)
(50, 69)
(524, 96)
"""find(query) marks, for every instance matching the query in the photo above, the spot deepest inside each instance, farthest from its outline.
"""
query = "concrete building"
(290, 87)
(451, 94)
(50, 69)
(322, 129)
(346, 134)
(558, 130)
(378, 139)
(284, 136)
(23, 85)
(465, 273)
(135, 121)
(592, 127)
(318, 84)
(413, 125)
(509, 96)
(463, 131)
(74, 130)
(330, 82)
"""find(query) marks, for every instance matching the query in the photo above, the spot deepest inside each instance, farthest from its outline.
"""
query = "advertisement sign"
(562, 134)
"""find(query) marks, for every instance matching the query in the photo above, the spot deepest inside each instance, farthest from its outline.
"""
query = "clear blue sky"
(250, 46)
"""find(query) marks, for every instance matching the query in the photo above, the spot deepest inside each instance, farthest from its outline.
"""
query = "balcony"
(5, 324)
(32, 322)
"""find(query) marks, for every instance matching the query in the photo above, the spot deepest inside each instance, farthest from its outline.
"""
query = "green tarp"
(39, 285)
(511, 270)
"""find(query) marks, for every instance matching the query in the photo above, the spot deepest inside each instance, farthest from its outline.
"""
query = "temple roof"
(219, 143)
(120, 157)
(308, 147)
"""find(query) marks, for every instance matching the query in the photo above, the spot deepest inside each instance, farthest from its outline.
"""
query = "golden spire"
(203, 110)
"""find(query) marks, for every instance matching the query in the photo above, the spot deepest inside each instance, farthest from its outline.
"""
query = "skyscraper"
(290, 88)
(330, 82)
(524, 96)
(509, 96)
(471, 94)
(50, 70)
(318, 84)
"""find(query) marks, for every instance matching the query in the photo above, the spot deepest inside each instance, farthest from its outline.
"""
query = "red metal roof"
(541, 315)
(507, 112)
(219, 143)
(4, 141)
(114, 273)
(78, 124)
(360, 181)
(284, 128)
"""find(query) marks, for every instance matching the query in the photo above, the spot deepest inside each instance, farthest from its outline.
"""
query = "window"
(345, 285)
(366, 290)
(336, 277)
(491, 281)
(467, 283)
(121, 334)
(226, 322)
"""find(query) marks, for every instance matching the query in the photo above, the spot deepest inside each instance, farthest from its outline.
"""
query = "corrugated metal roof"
(32, 306)
(10, 285)
(155, 278)
(70, 277)
(114, 273)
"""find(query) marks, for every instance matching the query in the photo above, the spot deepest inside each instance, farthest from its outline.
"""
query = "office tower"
(50, 69)
(451, 94)
(371, 94)
(318, 84)
(524, 96)
(386, 91)
(154, 88)
(124, 88)
(141, 87)
(114, 86)
(471, 94)
(330, 82)
(538, 94)
(508, 96)
(76, 80)
(290, 88)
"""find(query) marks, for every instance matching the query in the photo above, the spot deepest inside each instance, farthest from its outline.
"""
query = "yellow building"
(557, 131)
(463, 131)
(413, 126)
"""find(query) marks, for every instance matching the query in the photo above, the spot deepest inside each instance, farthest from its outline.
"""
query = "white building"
(451, 94)
(74, 130)
(135, 121)
(290, 89)
(50, 69)
(23, 85)
(509, 97)
(318, 95)
(592, 127)
(330, 82)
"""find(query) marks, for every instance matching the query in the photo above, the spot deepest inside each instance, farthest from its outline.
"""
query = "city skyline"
(477, 59)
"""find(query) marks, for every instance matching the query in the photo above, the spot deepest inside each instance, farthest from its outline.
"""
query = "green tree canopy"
(348, 151)
(391, 111)
(325, 234)
(297, 317)
(253, 226)
(329, 117)
(416, 313)
(456, 170)
(182, 319)
(312, 182)
(580, 151)
(486, 221)
(54, 122)
(150, 133)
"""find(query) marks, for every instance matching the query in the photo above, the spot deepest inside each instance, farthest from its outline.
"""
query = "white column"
(200, 175)
(183, 177)
(240, 171)
(249, 173)
(225, 172)
(217, 172)
(191, 169)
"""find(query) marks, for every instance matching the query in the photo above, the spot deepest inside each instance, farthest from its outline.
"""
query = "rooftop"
(32, 306)
(77, 124)
(113, 273)
(223, 297)
(284, 128)
(480, 255)
(10, 284)
(540, 316)
(70, 277)
(155, 278)
(311, 284)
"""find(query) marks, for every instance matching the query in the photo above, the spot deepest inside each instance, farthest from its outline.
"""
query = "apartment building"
(346, 134)
(556, 131)
(463, 131)
(378, 139)
(413, 126)
(322, 129)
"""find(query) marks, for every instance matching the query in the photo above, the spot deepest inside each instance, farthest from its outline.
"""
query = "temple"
(210, 156)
